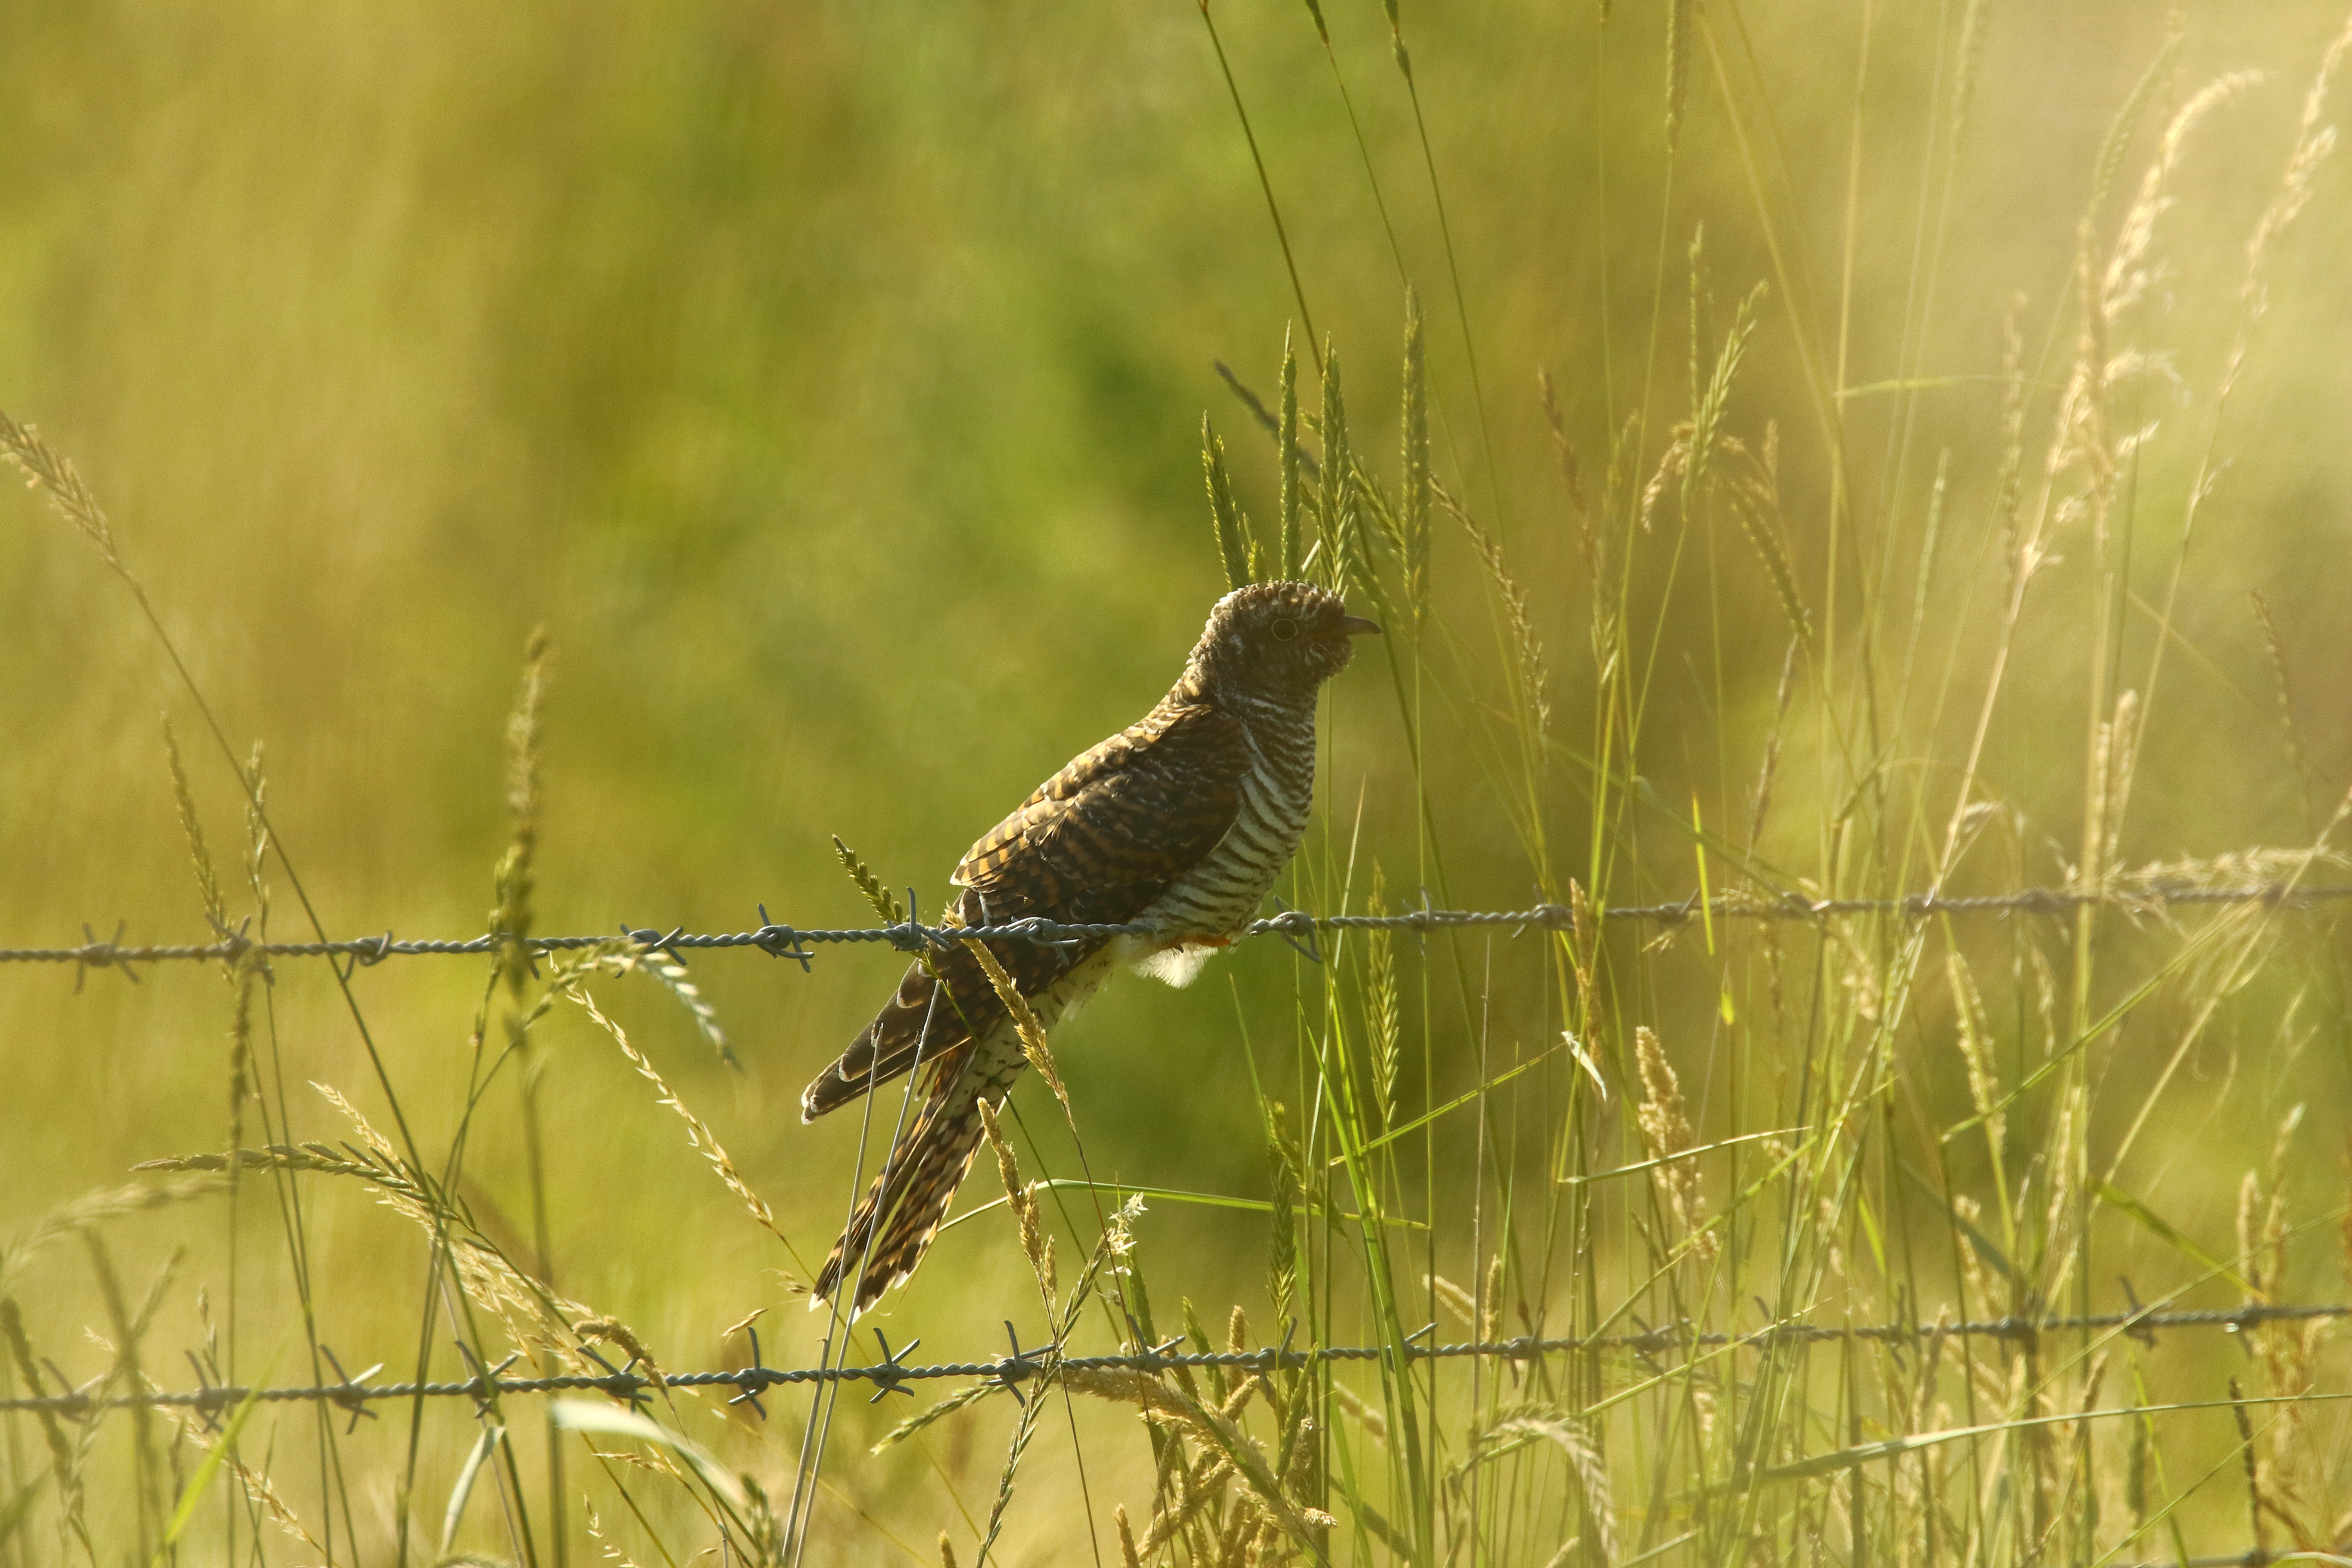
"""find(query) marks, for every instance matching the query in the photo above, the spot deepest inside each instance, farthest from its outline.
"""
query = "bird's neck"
(1261, 712)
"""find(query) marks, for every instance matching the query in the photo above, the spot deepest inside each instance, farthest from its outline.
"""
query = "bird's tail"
(893, 1227)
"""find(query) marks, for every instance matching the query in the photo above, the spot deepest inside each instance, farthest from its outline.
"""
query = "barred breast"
(1218, 897)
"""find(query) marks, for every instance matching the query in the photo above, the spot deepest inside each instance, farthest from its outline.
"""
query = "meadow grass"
(1827, 641)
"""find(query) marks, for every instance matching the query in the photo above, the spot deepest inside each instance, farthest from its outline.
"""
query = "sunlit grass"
(1818, 566)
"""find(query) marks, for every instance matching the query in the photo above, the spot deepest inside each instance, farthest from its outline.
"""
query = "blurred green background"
(827, 380)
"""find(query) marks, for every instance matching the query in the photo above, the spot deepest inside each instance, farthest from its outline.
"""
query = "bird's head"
(1275, 640)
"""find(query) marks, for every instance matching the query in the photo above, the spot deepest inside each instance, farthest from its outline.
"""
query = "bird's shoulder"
(1136, 809)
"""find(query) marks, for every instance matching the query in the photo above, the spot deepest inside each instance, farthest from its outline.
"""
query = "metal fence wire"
(1298, 926)
(891, 1374)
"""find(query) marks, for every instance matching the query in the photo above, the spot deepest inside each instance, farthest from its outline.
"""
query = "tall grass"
(1744, 644)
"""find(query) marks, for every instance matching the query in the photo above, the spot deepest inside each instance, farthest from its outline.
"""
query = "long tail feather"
(924, 1020)
(893, 1226)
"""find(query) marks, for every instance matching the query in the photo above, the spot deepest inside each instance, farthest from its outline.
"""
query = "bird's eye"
(1284, 630)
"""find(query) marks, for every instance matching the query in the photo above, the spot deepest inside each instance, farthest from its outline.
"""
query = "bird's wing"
(1100, 840)
(1094, 845)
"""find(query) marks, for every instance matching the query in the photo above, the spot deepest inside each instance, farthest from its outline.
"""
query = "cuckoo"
(1179, 824)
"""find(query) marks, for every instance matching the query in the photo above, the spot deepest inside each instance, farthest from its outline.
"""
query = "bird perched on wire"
(1181, 822)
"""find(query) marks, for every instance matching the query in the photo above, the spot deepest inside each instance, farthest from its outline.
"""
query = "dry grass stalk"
(516, 878)
(1216, 1429)
(1976, 1051)
(1456, 1300)
(96, 1208)
(2130, 274)
(63, 1463)
(1591, 1470)
(2062, 1220)
(317, 1158)
(1753, 484)
(2113, 753)
(673, 975)
(2257, 1507)
(612, 1553)
(535, 1318)
(208, 883)
(1035, 1245)
(1584, 937)
(970, 1394)
(699, 1135)
(1535, 684)
(612, 1330)
(256, 1484)
(2313, 143)
(130, 1329)
(1769, 768)
(53, 474)
(885, 906)
(1025, 1020)
(1384, 1011)
(1241, 1527)
(1413, 532)
(1572, 476)
(2293, 1467)
(2084, 441)
(1370, 1418)
(1196, 1490)
(1281, 1251)
(1665, 1125)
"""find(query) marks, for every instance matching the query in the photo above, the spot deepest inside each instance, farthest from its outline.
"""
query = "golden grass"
(818, 550)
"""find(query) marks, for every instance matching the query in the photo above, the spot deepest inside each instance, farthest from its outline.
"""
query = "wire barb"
(779, 941)
(95, 954)
(888, 1374)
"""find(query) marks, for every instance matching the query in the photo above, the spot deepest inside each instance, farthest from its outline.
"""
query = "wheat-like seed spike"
(516, 878)
(615, 1332)
(256, 1483)
(869, 884)
(1235, 549)
(698, 1134)
(1975, 1050)
(1457, 1301)
(1035, 1245)
(1414, 502)
(1162, 1402)
(51, 472)
(597, 1533)
(1024, 1019)
(948, 1407)
(1371, 1418)
(1528, 652)
(95, 1208)
(1665, 1123)
(208, 883)
(1591, 1473)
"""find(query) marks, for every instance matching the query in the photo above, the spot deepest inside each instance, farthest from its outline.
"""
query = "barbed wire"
(1297, 925)
(888, 1374)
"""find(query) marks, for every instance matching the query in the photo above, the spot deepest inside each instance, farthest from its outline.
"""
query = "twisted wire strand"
(911, 936)
(1012, 1369)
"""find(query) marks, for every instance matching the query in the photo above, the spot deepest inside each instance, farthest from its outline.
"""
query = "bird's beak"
(1354, 626)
